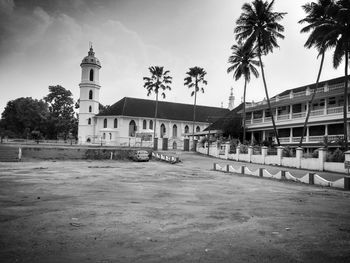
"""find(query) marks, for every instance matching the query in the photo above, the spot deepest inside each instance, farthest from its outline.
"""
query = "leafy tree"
(243, 64)
(23, 115)
(61, 107)
(195, 79)
(318, 15)
(158, 82)
(259, 25)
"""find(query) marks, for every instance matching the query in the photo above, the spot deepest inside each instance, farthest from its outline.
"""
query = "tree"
(61, 107)
(339, 38)
(243, 64)
(318, 15)
(24, 115)
(158, 82)
(195, 79)
(259, 25)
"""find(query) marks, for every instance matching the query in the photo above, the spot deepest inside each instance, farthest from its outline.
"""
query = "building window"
(198, 129)
(105, 123)
(186, 129)
(151, 125)
(90, 109)
(110, 136)
(91, 75)
(132, 128)
(89, 121)
(116, 123)
(104, 136)
(144, 125)
(162, 130)
(90, 95)
(88, 140)
(174, 130)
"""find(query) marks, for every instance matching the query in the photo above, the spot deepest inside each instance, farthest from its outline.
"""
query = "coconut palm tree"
(195, 79)
(259, 25)
(158, 82)
(339, 38)
(318, 15)
(243, 64)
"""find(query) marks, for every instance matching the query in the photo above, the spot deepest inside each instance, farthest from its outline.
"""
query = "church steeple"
(231, 100)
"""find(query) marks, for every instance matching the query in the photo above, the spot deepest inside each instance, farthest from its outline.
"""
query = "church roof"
(224, 120)
(166, 110)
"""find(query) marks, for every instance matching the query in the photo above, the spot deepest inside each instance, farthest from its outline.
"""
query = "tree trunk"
(346, 101)
(244, 117)
(155, 118)
(194, 111)
(312, 99)
(267, 96)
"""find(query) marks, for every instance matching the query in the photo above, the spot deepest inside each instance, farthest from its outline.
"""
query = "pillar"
(250, 152)
(264, 153)
(238, 149)
(280, 154)
(322, 154)
(299, 155)
(227, 149)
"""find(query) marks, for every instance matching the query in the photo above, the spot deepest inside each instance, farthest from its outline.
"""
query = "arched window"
(88, 140)
(144, 125)
(151, 125)
(90, 95)
(174, 130)
(91, 78)
(186, 129)
(198, 129)
(89, 121)
(132, 128)
(90, 109)
(162, 130)
(110, 136)
(115, 123)
(105, 123)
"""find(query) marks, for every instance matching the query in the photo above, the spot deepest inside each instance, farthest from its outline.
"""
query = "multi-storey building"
(289, 110)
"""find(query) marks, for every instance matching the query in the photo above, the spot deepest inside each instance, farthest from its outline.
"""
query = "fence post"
(322, 153)
(214, 167)
(299, 155)
(242, 169)
(227, 149)
(261, 172)
(283, 175)
(279, 154)
(311, 178)
(250, 152)
(227, 167)
(347, 183)
(263, 153)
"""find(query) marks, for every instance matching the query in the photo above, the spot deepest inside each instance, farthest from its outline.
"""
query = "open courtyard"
(121, 211)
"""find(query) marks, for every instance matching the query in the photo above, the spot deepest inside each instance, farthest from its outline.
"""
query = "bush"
(337, 156)
(243, 148)
(288, 152)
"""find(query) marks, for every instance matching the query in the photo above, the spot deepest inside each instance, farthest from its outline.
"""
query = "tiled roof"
(166, 110)
(222, 122)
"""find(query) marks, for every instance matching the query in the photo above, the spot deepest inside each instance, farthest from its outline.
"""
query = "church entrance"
(132, 128)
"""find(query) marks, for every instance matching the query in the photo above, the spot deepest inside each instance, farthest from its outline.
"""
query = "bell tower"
(231, 100)
(89, 97)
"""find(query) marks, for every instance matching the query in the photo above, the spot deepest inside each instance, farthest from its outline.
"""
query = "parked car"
(140, 156)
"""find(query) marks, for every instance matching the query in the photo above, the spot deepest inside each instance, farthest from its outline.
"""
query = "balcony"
(335, 110)
(311, 139)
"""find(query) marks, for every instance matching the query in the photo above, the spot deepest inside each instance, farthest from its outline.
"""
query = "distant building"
(131, 119)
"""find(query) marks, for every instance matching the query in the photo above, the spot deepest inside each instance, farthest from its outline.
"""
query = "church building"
(129, 121)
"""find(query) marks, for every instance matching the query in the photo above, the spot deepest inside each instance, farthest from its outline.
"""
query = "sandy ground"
(119, 211)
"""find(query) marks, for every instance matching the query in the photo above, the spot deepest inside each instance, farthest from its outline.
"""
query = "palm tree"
(159, 80)
(339, 38)
(195, 79)
(318, 15)
(259, 25)
(243, 64)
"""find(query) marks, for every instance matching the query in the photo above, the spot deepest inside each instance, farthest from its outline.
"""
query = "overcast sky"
(42, 43)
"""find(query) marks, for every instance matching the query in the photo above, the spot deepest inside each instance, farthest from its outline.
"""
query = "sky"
(42, 43)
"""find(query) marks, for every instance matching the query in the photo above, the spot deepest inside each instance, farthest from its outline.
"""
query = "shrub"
(288, 152)
(337, 156)
(243, 148)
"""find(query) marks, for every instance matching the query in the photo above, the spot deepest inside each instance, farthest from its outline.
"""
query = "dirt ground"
(119, 211)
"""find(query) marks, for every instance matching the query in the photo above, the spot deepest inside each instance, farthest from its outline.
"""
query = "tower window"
(186, 129)
(91, 75)
(90, 109)
(144, 125)
(105, 123)
(198, 129)
(151, 125)
(89, 121)
(115, 123)
(90, 95)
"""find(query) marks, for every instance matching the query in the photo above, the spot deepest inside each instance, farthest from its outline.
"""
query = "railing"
(298, 115)
(248, 121)
(284, 97)
(259, 120)
(317, 112)
(283, 117)
(267, 119)
(297, 139)
(336, 86)
(316, 138)
(335, 110)
(284, 139)
(299, 94)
